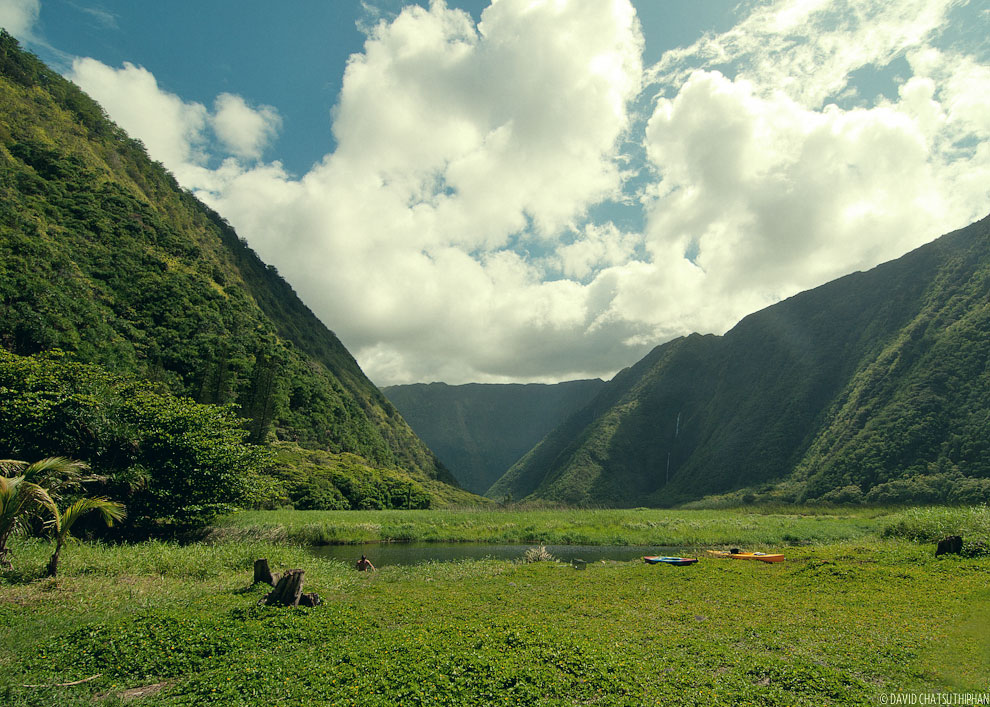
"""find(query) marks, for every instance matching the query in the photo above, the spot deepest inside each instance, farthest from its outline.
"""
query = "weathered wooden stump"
(951, 545)
(287, 591)
(309, 599)
(262, 573)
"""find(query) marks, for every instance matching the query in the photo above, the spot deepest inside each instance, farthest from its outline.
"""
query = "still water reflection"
(416, 553)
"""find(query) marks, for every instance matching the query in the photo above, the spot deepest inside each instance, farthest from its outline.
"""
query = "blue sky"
(546, 189)
(293, 60)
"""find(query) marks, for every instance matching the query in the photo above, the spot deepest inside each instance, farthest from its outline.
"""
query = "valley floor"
(855, 621)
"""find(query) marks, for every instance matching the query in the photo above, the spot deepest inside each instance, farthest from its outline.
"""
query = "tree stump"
(951, 545)
(309, 599)
(262, 573)
(288, 591)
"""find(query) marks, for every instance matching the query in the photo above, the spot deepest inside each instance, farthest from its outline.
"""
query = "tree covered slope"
(873, 387)
(103, 255)
(479, 430)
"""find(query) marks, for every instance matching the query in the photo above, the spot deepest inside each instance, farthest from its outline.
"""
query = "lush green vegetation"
(870, 389)
(317, 480)
(103, 256)
(929, 525)
(755, 526)
(830, 626)
(177, 463)
(479, 430)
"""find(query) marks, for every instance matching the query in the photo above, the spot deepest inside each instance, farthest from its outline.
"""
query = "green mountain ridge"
(104, 256)
(479, 430)
(875, 386)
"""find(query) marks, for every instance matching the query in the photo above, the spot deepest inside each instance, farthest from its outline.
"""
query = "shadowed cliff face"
(871, 384)
(478, 431)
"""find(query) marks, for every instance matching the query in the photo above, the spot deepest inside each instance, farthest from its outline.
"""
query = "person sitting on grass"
(365, 564)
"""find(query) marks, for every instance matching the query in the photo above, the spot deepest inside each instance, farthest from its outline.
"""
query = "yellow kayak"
(762, 556)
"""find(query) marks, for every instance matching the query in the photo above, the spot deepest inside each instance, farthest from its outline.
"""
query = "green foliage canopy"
(177, 464)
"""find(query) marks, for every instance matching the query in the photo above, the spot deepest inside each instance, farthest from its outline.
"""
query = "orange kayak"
(762, 556)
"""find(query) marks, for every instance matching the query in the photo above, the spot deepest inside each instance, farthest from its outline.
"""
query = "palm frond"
(59, 475)
(110, 511)
(52, 466)
(19, 501)
(12, 467)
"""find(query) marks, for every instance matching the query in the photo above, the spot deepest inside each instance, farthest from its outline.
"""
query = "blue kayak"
(656, 559)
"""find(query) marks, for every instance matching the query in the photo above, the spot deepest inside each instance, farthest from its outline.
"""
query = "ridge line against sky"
(543, 190)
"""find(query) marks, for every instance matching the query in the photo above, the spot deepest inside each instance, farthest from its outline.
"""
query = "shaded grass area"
(835, 624)
(762, 526)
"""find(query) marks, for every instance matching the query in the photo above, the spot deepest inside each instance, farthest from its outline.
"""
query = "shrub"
(844, 496)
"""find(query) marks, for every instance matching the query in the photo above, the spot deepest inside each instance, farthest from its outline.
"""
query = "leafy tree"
(197, 463)
(178, 463)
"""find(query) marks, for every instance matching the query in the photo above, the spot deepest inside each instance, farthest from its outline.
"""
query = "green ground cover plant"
(838, 623)
(831, 626)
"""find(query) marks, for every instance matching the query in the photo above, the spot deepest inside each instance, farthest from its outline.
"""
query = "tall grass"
(931, 524)
(152, 558)
(761, 526)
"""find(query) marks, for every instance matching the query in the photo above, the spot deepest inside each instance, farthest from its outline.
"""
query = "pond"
(383, 554)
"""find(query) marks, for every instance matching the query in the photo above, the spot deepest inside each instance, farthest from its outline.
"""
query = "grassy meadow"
(638, 526)
(860, 608)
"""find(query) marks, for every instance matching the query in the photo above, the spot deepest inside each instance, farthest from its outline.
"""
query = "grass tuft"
(538, 554)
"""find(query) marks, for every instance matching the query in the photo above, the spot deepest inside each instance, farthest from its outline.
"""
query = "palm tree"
(63, 521)
(20, 501)
(28, 490)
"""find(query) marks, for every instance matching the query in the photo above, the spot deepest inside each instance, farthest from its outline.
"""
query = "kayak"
(656, 559)
(762, 556)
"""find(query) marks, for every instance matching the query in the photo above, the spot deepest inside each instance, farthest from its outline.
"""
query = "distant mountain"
(479, 430)
(874, 387)
(103, 255)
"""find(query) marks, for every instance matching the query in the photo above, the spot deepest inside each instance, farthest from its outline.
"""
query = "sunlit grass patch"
(931, 524)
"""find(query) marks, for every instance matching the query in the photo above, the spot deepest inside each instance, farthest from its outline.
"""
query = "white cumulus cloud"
(768, 191)
(18, 17)
(453, 233)
(177, 132)
(460, 148)
(244, 131)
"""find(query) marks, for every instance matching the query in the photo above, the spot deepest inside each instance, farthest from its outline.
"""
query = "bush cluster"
(175, 463)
